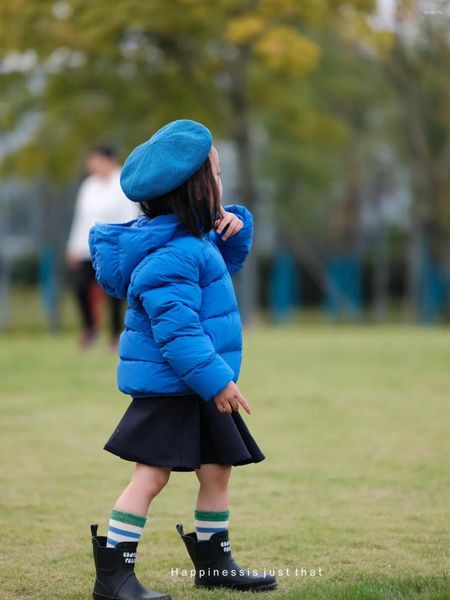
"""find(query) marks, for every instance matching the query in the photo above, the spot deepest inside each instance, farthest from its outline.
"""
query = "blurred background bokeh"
(332, 119)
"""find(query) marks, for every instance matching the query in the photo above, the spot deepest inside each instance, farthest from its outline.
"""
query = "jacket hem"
(159, 394)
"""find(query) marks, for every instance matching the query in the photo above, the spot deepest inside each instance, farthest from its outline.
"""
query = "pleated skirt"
(182, 432)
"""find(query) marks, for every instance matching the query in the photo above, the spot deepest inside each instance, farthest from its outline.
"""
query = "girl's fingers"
(234, 405)
(225, 407)
(232, 229)
(224, 222)
(232, 221)
(243, 402)
(228, 408)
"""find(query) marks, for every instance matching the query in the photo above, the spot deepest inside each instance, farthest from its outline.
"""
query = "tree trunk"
(52, 249)
(381, 277)
(248, 280)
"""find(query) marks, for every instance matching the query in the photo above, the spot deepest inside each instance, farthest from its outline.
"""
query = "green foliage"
(100, 73)
(413, 59)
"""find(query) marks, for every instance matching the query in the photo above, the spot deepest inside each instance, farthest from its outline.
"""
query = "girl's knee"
(214, 475)
(152, 479)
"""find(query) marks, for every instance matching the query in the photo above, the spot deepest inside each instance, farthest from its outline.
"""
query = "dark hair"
(106, 150)
(191, 202)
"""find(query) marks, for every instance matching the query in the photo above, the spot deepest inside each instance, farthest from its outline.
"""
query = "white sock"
(124, 527)
(207, 523)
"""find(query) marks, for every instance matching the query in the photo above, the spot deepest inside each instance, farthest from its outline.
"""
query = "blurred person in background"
(100, 199)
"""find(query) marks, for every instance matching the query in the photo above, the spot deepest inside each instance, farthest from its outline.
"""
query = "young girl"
(180, 354)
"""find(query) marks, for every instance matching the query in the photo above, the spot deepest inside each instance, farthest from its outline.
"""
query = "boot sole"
(102, 597)
(264, 587)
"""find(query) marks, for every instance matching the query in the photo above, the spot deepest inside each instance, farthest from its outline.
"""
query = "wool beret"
(166, 160)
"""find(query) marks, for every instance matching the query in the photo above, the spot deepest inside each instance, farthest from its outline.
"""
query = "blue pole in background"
(344, 295)
(432, 287)
(284, 286)
(48, 283)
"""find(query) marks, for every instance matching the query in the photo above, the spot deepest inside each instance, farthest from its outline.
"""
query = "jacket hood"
(117, 249)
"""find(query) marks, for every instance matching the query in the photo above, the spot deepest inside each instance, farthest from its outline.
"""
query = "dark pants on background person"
(84, 278)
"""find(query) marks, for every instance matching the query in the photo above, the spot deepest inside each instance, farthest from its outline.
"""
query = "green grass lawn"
(354, 422)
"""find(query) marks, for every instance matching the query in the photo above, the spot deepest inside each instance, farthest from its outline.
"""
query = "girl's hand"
(229, 398)
(228, 219)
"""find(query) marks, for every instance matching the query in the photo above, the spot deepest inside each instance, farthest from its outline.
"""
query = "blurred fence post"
(55, 203)
(5, 271)
(344, 272)
(5, 291)
(49, 286)
(432, 286)
(284, 286)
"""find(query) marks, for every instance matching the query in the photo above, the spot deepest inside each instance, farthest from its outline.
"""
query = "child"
(180, 354)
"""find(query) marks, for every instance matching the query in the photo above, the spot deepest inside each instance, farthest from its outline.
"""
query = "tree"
(96, 72)
(413, 58)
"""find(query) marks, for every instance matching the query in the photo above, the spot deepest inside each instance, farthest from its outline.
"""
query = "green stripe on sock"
(128, 518)
(211, 515)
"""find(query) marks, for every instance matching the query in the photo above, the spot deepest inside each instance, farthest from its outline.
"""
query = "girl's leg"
(213, 491)
(211, 513)
(211, 555)
(128, 516)
(83, 278)
(146, 483)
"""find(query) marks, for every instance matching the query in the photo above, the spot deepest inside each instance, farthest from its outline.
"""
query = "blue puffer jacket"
(183, 329)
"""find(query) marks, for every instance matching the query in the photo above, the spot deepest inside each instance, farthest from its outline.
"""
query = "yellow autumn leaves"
(281, 47)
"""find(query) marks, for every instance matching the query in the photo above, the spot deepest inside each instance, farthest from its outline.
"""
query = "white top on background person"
(100, 199)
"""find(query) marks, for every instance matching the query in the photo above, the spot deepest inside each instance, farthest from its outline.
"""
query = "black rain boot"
(215, 567)
(115, 577)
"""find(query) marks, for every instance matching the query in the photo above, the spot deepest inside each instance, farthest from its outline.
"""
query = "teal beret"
(166, 160)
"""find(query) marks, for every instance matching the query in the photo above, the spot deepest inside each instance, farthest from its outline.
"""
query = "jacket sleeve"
(168, 287)
(236, 248)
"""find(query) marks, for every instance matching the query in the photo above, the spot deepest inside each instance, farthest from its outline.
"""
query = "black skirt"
(182, 432)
